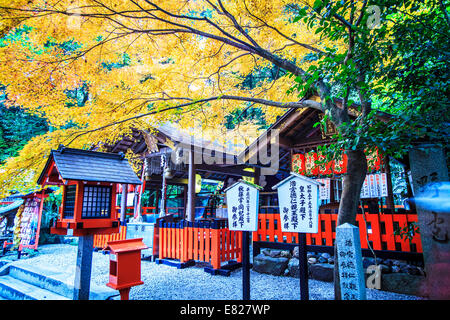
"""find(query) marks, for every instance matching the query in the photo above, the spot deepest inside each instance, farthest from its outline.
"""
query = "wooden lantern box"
(125, 263)
(89, 181)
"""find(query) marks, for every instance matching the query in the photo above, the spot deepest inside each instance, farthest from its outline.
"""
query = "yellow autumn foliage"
(168, 64)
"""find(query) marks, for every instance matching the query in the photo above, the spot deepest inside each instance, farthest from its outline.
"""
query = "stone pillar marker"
(429, 172)
(351, 273)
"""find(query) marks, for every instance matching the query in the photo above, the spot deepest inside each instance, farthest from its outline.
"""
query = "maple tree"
(97, 68)
(143, 63)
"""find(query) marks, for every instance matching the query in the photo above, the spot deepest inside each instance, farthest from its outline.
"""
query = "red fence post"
(389, 237)
(362, 230)
(215, 244)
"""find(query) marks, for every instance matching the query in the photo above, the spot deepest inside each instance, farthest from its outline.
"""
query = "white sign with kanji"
(324, 191)
(374, 186)
(242, 202)
(298, 200)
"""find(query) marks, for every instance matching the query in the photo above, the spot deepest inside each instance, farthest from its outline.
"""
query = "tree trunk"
(351, 189)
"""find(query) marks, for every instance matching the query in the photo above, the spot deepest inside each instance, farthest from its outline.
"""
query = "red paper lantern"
(311, 169)
(340, 165)
(298, 163)
(373, 160)
(325, 168)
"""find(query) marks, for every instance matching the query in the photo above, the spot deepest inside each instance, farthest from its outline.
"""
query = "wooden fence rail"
(101, 240)
(379, 230)
(205, 241)
(214, 243)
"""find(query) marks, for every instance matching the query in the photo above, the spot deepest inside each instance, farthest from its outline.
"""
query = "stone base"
(270, 265)
(397, 276)
(402, 283)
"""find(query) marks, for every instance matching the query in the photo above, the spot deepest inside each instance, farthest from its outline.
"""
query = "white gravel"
(162, 282)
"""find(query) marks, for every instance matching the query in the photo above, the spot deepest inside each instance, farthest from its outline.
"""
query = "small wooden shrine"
(89, 180)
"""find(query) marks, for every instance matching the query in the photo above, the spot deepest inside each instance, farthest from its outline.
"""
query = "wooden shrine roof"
(84, 165)
(165, 139)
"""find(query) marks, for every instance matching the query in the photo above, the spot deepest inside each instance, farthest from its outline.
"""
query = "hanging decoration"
(324, 168)
(311, 169)
(298, 163)
(307, 164)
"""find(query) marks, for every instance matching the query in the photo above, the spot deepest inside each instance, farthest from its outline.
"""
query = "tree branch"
(444, 10)
(304, 45)
(288, 105)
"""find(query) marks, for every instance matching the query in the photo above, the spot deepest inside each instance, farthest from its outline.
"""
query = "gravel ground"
(163, 282)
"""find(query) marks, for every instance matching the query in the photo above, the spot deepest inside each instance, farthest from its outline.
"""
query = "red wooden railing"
(101, 240)
(179, 242)
(379, 231)
(205, 241)
(169, 210)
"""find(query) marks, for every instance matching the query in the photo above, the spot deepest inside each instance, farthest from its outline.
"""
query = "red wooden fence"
(205, 241)
(379, 230)
(101, 240)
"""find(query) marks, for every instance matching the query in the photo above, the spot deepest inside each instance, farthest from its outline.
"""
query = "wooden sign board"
(374, 186)
(298, 199)
(324, 190)
(29, 224)
(242, 202)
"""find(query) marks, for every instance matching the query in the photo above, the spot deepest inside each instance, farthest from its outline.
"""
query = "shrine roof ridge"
(86, 165)
(293, 175)
(245, 182)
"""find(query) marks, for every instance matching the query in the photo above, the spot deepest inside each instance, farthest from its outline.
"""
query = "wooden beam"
(285, 142)
(304, 126)
(123, 205)
(311, 144)
(191, 189)
(224, 170)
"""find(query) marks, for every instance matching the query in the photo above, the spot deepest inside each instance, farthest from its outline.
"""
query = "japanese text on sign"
(242, 201)
(350, 263)
(298, 201)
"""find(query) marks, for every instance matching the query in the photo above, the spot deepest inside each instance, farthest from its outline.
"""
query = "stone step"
(53, 280)
(15, 289)
(48, 279)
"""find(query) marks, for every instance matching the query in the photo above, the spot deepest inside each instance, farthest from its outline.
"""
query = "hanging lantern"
(198, 183)
(298, 163)
(311, 169)
(373, 160)
(324, 168)
(340, 165)
(249, 179)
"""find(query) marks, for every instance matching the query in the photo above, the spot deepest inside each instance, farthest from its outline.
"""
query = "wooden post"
(191, 188)
(38, 231)
(123, 204)
(257, 175)
(245, 265)
(162, 209)
(157, 196)
(390, 198)
(303, 267)
(124, 294)
(185, 201)
(83, 268)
